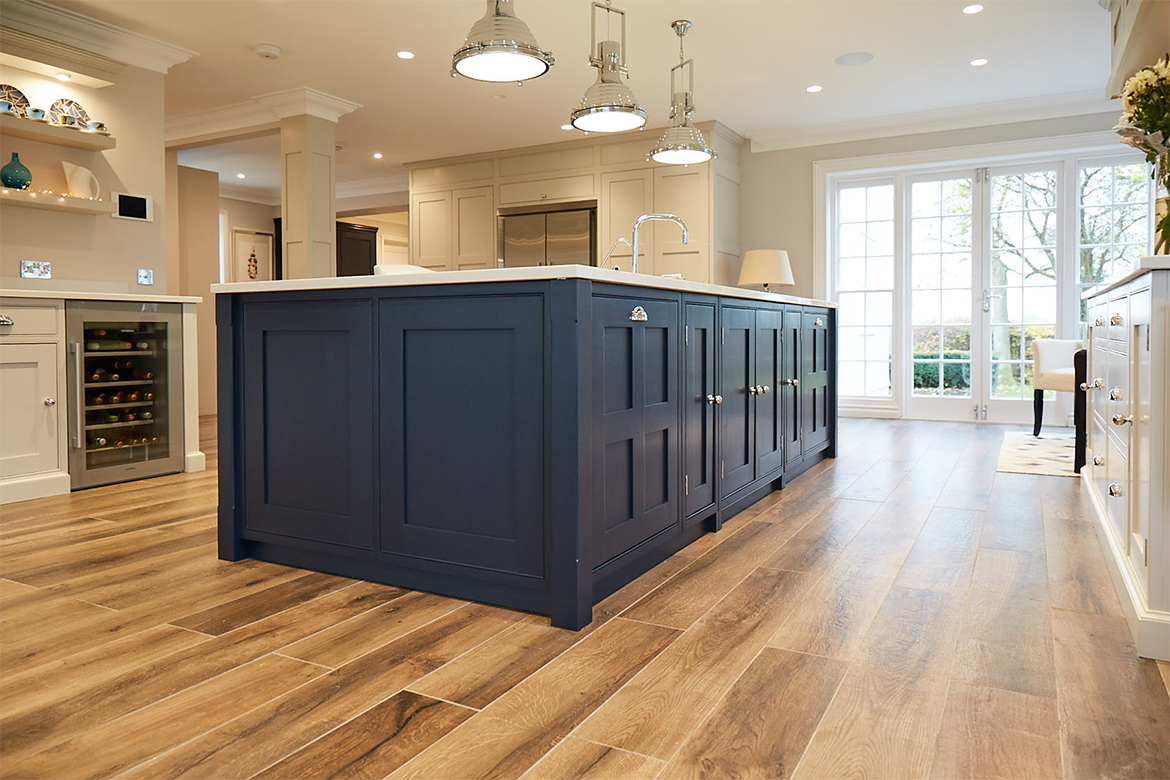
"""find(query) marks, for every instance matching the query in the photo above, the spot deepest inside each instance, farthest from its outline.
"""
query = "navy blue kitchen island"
(532, 437)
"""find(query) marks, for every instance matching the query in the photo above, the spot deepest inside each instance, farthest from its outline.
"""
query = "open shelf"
(122, 383)
(123, 447)
(54, 202)
(121, 353)
(99, 407)
(44, 132)
(129, 424)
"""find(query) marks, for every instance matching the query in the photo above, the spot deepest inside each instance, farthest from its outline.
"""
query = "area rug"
(1053, 454)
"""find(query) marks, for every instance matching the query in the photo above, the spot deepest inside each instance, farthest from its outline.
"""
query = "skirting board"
(1150, 629)
(195, 461)
(36, 486)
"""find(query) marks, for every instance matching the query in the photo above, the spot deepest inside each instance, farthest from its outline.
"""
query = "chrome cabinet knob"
(1115, 319)
(50, 402)
(6, 320)
(765, 389)
(1100, 322)
(1098, 382)
(711, 400)
(1085, 387)
(1122, 419)
(795, 383)
(1114, 489)
(1098, 460)
(818, 322)
(718, 400)
(753, 390)
(1115, 394)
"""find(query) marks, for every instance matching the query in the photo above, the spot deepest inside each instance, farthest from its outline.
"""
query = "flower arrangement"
(1145, 125)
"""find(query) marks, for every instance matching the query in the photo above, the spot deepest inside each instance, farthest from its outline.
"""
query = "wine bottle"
(98, 399)
(146, 415)
(132, 396)
(129, 417)
(112, 418)
(113, 377)
(141, 374)
(119, 443)
(102, 345)
(142, 345)
(98, 375)
(98, 333)
(125, 366)
(147, 395)
(97, 441)
(117, 398)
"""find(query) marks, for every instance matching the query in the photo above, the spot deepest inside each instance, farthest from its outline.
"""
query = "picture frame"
(251, 256)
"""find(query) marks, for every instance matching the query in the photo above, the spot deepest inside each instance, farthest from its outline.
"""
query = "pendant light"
(500, 48)
(609, 106)
(682, 143)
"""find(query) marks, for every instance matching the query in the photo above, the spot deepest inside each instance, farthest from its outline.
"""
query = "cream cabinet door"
(430, 230)
(625, 196)
(1141, 448)
(473, 236)
(685, 192)
(29, 405)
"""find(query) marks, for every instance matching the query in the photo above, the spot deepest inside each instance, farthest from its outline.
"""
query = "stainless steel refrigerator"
(125, 374)
(564, 236)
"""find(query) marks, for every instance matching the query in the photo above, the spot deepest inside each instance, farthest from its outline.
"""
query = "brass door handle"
(1100, 323)
(1115, 319)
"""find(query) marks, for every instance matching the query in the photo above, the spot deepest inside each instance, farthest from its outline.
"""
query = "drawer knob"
(1098, 460)
(639, 315)
(1115, 319)
(50, 402)
(6, 320)
(765, 389)
(711, 400)
(1115, 394)
(1122, 419)
(718, 400)
(818, 322)
(753, 390)
(1086, 386)
(1100, 322)
(1114, 489)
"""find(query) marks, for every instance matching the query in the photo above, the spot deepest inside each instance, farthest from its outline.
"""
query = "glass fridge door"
(126, 383)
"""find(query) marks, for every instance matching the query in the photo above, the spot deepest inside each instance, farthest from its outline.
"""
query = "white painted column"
(308, 121)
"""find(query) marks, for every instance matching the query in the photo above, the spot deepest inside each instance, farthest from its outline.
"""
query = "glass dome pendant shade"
(682, 143)
(609, 106)
(500, 47)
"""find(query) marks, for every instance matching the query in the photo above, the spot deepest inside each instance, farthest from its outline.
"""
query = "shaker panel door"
(814, 383)
(737, 430)
(769, 414)
(699, 411)
(791, 374)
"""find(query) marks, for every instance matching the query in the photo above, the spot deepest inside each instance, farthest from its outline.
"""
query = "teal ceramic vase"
(14, 175)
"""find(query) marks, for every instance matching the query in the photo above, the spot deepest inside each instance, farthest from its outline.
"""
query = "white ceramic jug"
(82, 182)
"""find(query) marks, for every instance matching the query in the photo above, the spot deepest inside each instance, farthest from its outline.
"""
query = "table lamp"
(766, 266)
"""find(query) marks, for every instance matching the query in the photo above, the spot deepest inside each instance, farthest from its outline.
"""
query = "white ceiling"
(753, 60)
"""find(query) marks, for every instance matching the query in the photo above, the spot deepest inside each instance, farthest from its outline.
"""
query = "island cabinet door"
(636, 414)
(462, 405)
(308, 442)
(769, 414)
(790, 376)
(736, 384)
(814, 380)
(699, 408)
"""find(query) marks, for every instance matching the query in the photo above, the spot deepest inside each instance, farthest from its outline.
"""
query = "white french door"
(982, 270)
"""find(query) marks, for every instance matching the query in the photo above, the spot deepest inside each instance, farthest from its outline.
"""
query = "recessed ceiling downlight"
(854, 58)
(814, 88)
(241, 176)
(974, 8)
(978, 63)
(62, 76)
(406, 55)
(377, 155)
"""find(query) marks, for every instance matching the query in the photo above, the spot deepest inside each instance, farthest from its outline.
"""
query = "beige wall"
(198, 242)
(778, 186)
(244, 215)
(91, 252)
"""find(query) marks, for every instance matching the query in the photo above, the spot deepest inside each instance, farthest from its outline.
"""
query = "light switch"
(145, 276)
(36, 269)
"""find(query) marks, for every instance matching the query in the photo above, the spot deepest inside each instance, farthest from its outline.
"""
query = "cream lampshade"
(765, 266)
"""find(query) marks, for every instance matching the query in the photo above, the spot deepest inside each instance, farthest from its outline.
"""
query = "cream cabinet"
(625, 196)
(1127, 472)
(32, 400)
(453, 230)
(685, 192)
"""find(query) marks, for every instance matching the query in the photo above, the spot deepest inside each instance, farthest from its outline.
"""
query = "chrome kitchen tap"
(648, 218)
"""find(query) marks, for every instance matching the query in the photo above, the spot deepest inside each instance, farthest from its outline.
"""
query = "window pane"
(852, 377)
(926, 378)
(852, 204)
(877, 379)
(924, 307)
(852, 241)
(851, 343)
(851, 309)
(877, 344)
(851, 274)
(880, 202)
(956, 305)
(925, 271)
(956, 271)
(926, 342)
(879, 273)
(926, 198)
(879, 308)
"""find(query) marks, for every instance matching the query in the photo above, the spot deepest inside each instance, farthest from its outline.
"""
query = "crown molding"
(48, 58)
(260, 197)
(306, 100)
(53, 23)
(379, 186)
(940, 120)
(201, 127)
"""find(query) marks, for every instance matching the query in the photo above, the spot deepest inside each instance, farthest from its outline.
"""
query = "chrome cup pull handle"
(6, 320)
(1115, 319)
(639, 315)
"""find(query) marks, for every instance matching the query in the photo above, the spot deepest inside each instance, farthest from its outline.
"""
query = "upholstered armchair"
(1052, 369)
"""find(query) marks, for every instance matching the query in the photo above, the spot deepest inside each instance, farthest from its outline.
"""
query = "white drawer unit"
(20, 318)
(1127, 474)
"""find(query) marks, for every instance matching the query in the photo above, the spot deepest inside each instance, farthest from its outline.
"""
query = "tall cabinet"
(1128, 466)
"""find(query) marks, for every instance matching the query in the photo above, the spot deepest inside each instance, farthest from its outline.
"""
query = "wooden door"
(814, 381)
(473, 237)
(699, 408)
(430, 230)
(769, 414)
(635, 407)
(737, 412)
(625, 196)
(791, 375)
(685, 192)
(28, 382)
(357, 249)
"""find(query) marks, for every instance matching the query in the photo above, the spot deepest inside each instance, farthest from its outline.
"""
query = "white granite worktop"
(1145, 265)
(67, 295)
(541, 273)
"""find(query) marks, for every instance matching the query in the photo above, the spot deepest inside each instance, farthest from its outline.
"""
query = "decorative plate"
(15, 97)
(67, 107)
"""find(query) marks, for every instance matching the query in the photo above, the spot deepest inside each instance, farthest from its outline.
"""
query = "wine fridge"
(125, 374)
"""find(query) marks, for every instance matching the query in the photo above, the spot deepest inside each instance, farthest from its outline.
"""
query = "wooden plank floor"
(903, 611)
